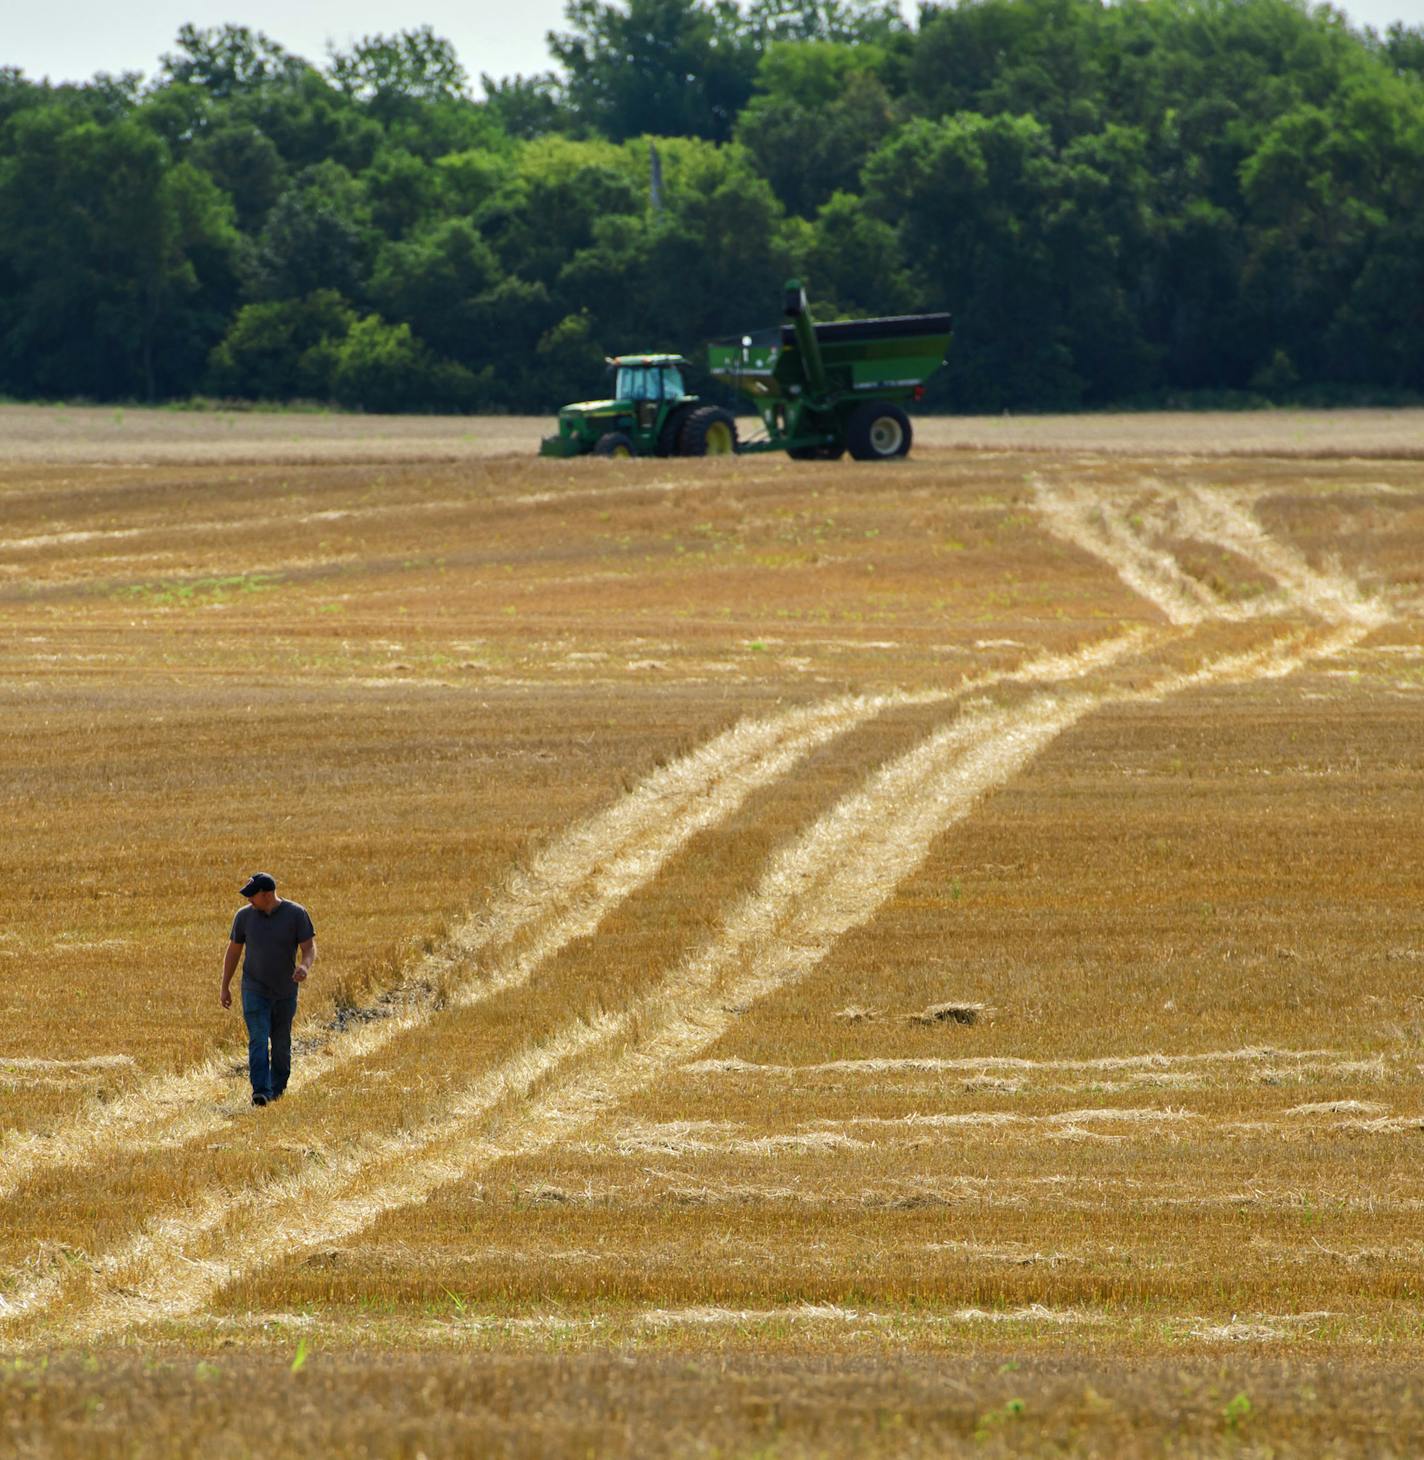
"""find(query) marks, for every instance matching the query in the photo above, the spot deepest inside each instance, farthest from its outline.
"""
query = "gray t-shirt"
(271, 941)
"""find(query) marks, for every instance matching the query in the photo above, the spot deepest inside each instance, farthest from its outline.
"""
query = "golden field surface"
(814, 958)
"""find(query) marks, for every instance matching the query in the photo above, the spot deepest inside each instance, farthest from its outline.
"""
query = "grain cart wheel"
(669, 438)
(709, 431)
(614, 443)
(878, 431)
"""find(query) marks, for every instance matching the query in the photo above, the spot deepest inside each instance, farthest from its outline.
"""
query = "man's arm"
(230, 958)
(304, 963)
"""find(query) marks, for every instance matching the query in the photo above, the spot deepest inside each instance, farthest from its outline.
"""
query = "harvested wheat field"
(815, 959)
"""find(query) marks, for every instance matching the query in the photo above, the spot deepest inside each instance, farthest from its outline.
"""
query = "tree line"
(1118, 200)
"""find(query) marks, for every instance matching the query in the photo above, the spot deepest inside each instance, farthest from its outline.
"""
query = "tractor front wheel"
(614, 443)
(709, 431)
(878, 431)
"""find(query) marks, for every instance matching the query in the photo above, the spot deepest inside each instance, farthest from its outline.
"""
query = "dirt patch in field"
(952, 1013)
(129, 434)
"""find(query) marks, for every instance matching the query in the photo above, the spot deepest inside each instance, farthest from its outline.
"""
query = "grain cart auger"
(824, 389)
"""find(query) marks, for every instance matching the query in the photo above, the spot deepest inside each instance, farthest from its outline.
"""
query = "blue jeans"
(268, 1020)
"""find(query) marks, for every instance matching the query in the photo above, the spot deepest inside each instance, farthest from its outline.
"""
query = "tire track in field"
(1100, 527)
(562, 894)
(924, 1128)
(1333, 596)
(614, 1327)
(857, 1133)
(997, 1063)
(1095, 524)
(833, 877)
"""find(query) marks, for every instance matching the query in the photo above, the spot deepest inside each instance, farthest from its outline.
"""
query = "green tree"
(1404, 48)
(401, 191)
(569, 358)
(244, 162)
(413, 84)
(547, 205)
(178, 113)
(471, 179)
(850, 22)
(1191, 309)
(527, 106)
(821, 110)
(1019, 242)
(383, 367)
(854, 263)
(282, 349)
(506, 324)
(317, 236)
(390, 73)
(657, 67)
(17, 93)
(1323, 187)
(1377, 334)
(229, 60)
(120, 262)
(1042, 58)
(673, 280)
(432, 281)
(310, 122)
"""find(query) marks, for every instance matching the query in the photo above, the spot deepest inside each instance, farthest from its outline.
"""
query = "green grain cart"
(824, 389)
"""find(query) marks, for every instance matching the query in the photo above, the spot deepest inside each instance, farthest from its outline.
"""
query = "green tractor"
(651, 414)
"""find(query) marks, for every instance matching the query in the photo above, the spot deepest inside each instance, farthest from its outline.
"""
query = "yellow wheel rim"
(623, 452)
(719, 439)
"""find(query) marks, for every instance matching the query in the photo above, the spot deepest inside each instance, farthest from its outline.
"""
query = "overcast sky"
(85, 36)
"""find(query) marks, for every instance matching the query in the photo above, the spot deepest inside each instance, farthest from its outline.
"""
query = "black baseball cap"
(259, 882)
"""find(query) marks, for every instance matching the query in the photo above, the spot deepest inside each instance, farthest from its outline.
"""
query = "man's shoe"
(259, 1099)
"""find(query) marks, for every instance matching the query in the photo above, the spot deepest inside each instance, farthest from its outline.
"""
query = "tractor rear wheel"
(671, 434)
(614, 443)
(878, 431)
(708, 431)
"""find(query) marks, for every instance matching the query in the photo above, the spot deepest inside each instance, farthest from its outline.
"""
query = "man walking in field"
(273, 931)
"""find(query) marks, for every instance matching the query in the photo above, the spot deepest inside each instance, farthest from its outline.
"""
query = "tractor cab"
(646, 382)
